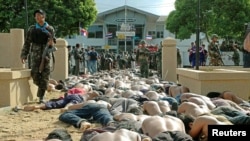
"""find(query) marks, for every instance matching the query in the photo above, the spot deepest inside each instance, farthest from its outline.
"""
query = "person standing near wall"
(203, 55)
(214, 52)
(132, 58)
(38, 37)
(78, 58)
(236, 55)
(93, 56)
(179, 60)
(143, 54)
(69, 59)
(88, 50)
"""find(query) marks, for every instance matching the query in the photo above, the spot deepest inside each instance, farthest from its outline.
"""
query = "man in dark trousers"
(78, 58)
(39, 37)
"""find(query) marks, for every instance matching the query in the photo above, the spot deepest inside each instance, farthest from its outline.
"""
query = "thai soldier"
(236, 56)
(178, 58)
(38, 37)
(142, 54)
(214, 52)
(159, 60)
(78, 58)
(70, 57)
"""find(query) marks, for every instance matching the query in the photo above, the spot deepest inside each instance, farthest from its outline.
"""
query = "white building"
(137, 25)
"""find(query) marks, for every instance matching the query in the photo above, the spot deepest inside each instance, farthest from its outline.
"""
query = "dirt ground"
(29, 126)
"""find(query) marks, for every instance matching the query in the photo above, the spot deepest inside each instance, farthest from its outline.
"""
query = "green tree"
(223, 17)
(65, 15)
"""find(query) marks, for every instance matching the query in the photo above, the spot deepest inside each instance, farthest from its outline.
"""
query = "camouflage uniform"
(236, 57)
(179, 61)
(159, 61)
(143, 54)
(35, 42)
(78, 58)
(214, 53)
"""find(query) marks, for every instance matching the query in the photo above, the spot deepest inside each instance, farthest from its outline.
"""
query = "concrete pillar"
(169, 60)
(61, 60)
(16, 44)
(17, 87)
(4, 50)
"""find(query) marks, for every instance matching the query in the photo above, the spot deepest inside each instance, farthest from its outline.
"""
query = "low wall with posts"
(16, 87)
(16, 84)
(216, 79)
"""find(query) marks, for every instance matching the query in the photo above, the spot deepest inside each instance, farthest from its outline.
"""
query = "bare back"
(118, 135)
(200, 125)
(192, 109)
(154, 125)
(130, 116)
(152, 108)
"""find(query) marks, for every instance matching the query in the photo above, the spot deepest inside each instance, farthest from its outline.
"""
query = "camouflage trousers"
(40, 79)
(144, 68)
(236, 62)
(215, 62)
(159, 68)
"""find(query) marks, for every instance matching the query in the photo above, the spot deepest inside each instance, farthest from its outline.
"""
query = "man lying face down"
(118, 135)
(101, 112)
(74, 95)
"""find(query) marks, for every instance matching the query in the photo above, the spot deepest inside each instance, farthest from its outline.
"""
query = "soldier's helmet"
(39, 11)
(142, 42)
(214, 36)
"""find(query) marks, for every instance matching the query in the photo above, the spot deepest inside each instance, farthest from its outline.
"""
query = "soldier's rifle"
(50, 48)
(220, 58)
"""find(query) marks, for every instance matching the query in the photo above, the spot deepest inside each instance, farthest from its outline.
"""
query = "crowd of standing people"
(213, 54)
(83, 61)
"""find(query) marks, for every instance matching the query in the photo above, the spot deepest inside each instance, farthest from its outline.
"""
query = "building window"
(151, 33)
(112, 29)
(95, 31)
(139, 29)
(159, 31)
(159, 34)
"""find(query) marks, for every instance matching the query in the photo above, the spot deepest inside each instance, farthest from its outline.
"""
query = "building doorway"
(128, 48)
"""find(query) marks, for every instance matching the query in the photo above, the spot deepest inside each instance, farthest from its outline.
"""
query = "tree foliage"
(223, 17)
(64, 15)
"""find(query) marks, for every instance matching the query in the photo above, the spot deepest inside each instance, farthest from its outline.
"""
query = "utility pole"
(27, 17)
(125, 38)
(197, 55)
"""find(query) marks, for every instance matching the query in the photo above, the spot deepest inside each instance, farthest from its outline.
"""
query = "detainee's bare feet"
(29, 108)
(62, 110)
(84, 126)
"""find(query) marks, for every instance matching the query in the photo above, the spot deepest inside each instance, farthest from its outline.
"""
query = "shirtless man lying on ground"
(176, 91)
(152, 126)
(119, 135)
(193, 109)
(130, 116)
(198, 127)
(198, 99)
(156, 108)
(229, 95)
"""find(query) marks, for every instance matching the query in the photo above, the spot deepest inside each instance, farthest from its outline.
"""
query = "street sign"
(125, 33)
(106, 47)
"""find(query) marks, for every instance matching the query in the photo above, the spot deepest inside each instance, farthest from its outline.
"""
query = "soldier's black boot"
(40, 95)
